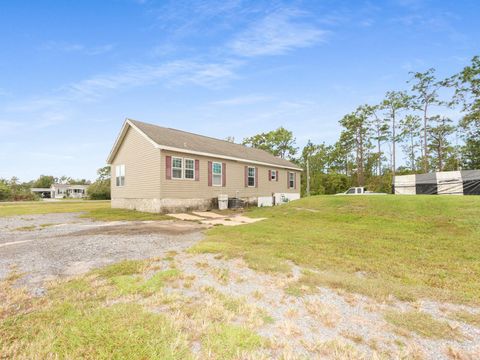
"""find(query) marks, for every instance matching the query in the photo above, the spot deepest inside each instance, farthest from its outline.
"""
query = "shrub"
(99, 190)
(5, 192)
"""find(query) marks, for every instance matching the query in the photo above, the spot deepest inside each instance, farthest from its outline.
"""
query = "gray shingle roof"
(198, 143)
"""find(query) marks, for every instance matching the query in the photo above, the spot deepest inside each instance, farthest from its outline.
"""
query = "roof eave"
(128, 122)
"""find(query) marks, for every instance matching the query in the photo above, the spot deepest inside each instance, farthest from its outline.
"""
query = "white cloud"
(62, 104)
(276, 34)
(172, 73)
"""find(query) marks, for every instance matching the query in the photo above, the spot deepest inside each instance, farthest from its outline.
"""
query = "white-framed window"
(273, 175)
(217, 174)
(291, 180)
(251, 176)
(120, 175)
(189, 172)
(177, 168)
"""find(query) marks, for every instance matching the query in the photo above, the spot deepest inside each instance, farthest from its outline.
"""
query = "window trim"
(221, 173)
(120, 175)
(273, 178)
(291, 180)
(185, 168)
(254, 176)
(177, 168)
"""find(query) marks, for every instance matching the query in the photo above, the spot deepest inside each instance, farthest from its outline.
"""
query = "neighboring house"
(60, 191)
(158, 169)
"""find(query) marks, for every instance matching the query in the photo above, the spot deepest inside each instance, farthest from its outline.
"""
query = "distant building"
(464, 182)
(60, 191)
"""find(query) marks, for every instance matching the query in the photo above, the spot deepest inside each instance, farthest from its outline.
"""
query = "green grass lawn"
(96, 210)
(410, 246)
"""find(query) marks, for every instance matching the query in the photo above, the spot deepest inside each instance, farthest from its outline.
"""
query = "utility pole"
(308, 178)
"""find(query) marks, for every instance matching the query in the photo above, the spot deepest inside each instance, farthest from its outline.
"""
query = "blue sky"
(72, 71)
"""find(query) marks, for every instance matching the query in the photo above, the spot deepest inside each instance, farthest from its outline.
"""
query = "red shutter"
(209, 173)
(197, 170)
(256, 176)
(269, 175)
(278, 174)
(168, 167)
(288, 180)
(294, 180)
(224, 174)
(246, 176)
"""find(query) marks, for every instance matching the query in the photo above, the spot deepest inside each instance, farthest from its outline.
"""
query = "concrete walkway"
(211, 218)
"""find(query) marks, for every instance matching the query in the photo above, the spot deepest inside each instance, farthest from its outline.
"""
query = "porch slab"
(208, 214)
(224, 222)
(183, 216)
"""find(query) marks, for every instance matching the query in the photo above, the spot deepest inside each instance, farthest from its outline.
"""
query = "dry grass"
(423, 324)
(26, 228)
(337, 350)
(113, 312)
(466, 317)
(327, 315)
(458, 354)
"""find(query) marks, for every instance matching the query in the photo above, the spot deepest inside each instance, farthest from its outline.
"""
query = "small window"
(217, 174)
(251, 176)
(177, 167)
(359, 190)
(291, 180)
(120, 175)
(351, 191)
(273, 175)
(189, 169)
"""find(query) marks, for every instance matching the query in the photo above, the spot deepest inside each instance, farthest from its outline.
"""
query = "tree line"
(413, 121)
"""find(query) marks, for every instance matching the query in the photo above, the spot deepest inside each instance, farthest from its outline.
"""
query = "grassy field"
(410, 247)
(96, 210)
(111, 313)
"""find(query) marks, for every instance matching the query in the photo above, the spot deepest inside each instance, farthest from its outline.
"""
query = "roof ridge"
(206, 144)
(206, 136)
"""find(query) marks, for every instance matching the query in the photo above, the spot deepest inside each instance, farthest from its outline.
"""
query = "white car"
(359, 191)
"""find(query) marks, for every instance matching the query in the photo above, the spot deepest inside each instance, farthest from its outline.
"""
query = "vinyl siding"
(142, 168)
(235, 180)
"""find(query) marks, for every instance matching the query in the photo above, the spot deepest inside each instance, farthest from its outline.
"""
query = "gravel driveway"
(54, 245)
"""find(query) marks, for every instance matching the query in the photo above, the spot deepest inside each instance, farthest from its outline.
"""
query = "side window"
(120, 175)
(291, 180)
(359, 191)
(189, 169)
(351, 191)
(177, 167)
(274, 175)
(217, 174)
(251, 176)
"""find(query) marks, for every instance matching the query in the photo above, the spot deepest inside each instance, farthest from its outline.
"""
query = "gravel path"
(54, 245)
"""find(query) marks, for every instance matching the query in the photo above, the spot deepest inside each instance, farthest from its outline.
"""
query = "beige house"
(158, 169)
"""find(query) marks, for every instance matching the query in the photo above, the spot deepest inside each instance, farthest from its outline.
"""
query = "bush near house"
(99, 190)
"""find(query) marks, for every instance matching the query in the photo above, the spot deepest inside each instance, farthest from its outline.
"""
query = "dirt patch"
(74, 245)
(141, 228)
